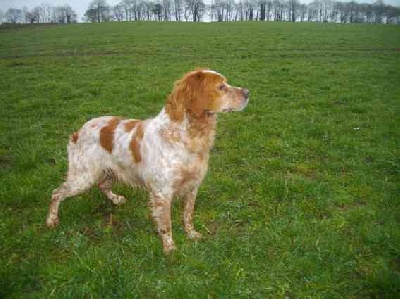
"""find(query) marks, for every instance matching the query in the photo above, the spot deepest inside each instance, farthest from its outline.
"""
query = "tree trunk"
(262, 9)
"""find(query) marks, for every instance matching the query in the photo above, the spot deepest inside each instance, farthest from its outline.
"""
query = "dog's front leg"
(189, 200)
(160, 206)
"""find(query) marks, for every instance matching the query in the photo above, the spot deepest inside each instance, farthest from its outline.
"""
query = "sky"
(80, 6)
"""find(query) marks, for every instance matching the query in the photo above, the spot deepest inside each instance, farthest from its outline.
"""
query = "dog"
(166, 155)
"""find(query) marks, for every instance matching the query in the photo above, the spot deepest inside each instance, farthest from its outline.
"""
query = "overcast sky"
(80, 6)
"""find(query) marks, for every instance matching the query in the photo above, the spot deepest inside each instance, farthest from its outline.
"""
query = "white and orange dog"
(167, 155)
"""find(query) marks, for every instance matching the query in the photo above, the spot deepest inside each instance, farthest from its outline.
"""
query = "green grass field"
(302, 198)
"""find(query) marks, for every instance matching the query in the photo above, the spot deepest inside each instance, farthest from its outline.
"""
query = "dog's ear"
(185, 93)
(176, 102)
(197, 102)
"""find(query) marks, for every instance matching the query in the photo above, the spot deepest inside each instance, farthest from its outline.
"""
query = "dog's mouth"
(242, 105)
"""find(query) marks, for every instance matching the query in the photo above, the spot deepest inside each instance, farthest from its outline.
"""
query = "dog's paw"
(194, 235)
(52, 222)
(119, 200)
(169, 248)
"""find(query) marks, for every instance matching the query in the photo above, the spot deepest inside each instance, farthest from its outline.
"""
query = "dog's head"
(204, 92)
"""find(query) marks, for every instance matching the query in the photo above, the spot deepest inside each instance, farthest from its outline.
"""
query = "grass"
(302, 195)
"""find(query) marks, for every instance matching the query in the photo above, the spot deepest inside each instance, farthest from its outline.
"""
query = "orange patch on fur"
(74, 137)
(107, 134)
(130, 125)
(135, 143)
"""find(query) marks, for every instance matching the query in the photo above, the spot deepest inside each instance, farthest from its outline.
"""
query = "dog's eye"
(222, 87)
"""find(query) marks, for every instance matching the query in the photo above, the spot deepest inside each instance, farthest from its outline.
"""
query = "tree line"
(44, 13)
(243, 10)
(219, 10)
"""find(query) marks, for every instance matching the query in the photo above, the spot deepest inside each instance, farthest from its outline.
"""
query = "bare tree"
(249, 7)
(218, 10)
(263, 4)
(223, 10)
(278, 10)
(31, 16)
(327, 7)
(313, 12)
(293, 6)
(196, 8)
(268, 5)
(128, 7)
(392, 14)
(352, 9)
(118, 12)
(230, 7)
(145, 10)
(63, 15)
(334, 13)
(379, 8)
(46, 11)
(239, 11)
(70, 14)
(13, 15)
(302, 12)
(167, 9)
(178, 4)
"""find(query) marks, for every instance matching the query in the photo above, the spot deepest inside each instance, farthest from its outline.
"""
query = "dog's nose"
(246, 92)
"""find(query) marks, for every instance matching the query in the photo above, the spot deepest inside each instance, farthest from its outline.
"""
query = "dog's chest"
(189, 175)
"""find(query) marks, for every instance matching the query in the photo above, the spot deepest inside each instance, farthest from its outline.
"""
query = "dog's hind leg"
(75, 185)
(82, 175)
(105, 185)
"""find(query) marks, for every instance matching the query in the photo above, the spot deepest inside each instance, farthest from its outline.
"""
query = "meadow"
(302, 197)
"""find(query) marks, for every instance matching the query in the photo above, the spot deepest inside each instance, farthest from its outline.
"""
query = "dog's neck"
(196, 132)
(201, 130)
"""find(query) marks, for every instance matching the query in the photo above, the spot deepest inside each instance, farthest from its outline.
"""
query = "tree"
(31, 16)
(278, 10)
(314, 9)
(98, 11)
(146, 10)
(293, 6)
(129, 7)
(326, 7)
(118, 12)
(218, 9)
(269, 9)
(157, 11)
(45, 11)
(302, 12)
(65, 14)
(166, 7)
(178, 9)
(230, 6)
(263, 5)
(14, 15)
(196, 8)
(249, 6)
(379, 8)
(239, 11)
(392, 14)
